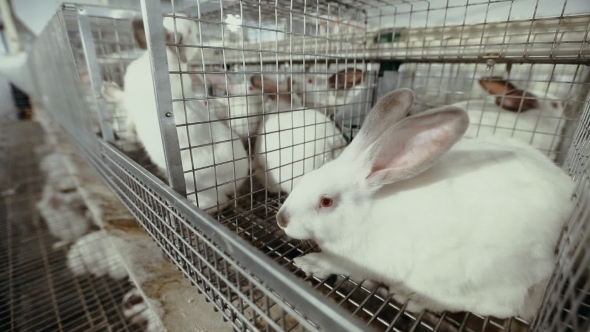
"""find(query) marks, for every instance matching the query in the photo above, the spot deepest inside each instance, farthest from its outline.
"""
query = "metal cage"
(236, 62)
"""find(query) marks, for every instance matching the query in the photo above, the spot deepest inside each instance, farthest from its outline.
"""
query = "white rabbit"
(64, 213)
(242, 107)
(291, 143)
(115, 96)
(138, 80)
(221, 167)
(534, 117)
(58, 175)
(470, 226)
(278, 97)
(94, 254)
(137, 311)
(330, 93)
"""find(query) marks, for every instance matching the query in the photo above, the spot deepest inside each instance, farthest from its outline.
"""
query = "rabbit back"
(217, 156)
(539, 127)
(293, 143)
(475, 232)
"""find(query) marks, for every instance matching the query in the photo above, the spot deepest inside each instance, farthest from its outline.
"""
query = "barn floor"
(38, 292)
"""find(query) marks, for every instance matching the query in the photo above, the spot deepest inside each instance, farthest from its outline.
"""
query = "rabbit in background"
(534, 117)
(115, 96)
(329, 93)
(278, 95)
(61, 205)
(94, 254)
(65, 214)
(437, 218)
(220, 161)
(242, 109)
(138, 94)
(293, 140)
(137, 311)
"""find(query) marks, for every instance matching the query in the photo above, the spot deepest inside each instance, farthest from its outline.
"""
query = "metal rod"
(94, 74)
(154, 31)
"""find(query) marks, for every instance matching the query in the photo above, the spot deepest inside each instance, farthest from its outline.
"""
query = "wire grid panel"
(226, 57)
(492, 95)
(247, 123)
(322, 53)
(244, 300)
(252, 214)
(53, 62)
(46, 284)
(114, 48)
(567, 302)
(463, 31)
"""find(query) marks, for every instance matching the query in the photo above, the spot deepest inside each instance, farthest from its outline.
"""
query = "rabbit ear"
(518, 101)
(387, 112)
(413, 145)
(496, 85)
(346, 78)
(268, 85)
(139, 33)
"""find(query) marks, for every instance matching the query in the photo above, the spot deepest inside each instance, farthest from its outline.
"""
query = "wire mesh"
(43, 287)
(264, 91)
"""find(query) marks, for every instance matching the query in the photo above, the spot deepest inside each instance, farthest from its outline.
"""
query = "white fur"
(64, 214)
(61, 205)
(291, 144)
(281, 105)
(319, 95)
(541, 127)
(242, 109)
(214, 183)
(115, 96)
(94, 254)
(475, 232)
(140, 312)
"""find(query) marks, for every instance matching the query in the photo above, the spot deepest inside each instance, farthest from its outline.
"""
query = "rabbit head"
(280, 95)
(178, 30)
(510, 98)
(345, 79)
(386, 150)
(187, 33)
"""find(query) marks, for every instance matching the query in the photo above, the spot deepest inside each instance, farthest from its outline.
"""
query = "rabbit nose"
(282, 219)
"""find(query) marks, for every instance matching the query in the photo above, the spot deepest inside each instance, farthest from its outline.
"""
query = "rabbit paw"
(316, 264)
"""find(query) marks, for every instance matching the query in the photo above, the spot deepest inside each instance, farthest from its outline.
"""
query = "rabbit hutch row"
(202, 116)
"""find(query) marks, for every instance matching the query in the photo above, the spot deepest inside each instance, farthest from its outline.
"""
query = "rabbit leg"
(320, 265)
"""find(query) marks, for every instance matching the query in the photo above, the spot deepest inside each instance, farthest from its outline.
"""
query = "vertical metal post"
(11, 33)
(154, 31)
(94, 74)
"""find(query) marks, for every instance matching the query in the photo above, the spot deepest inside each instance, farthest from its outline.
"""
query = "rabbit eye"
(326, 202)
(310, 81)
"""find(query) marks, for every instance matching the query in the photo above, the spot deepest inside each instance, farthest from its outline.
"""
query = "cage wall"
(263, 92)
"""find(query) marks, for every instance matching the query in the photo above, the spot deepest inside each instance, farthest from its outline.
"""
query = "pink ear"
(386, 113)
(268, 84)
(414, 145)
(496, 85)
